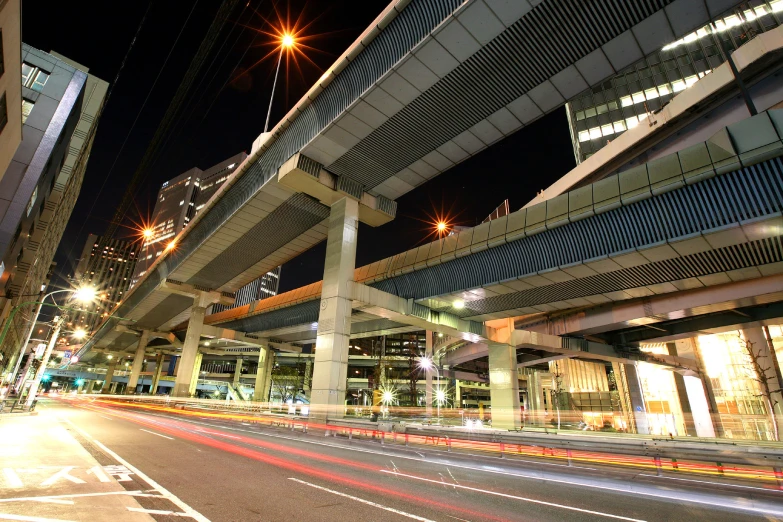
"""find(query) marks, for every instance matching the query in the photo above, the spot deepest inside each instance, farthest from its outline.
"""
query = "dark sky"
(226, 106)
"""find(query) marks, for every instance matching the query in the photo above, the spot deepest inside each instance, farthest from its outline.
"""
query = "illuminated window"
(27, 108)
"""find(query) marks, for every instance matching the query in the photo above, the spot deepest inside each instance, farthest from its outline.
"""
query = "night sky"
(226, 107)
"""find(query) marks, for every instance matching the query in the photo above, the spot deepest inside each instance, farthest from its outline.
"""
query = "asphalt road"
(230, 471)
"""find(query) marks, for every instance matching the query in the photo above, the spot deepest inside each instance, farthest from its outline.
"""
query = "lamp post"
(58, 322)
(426, 364)
(287, 41)
(84, 294)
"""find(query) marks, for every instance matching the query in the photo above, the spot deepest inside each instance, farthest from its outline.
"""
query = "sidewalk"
(46, 474)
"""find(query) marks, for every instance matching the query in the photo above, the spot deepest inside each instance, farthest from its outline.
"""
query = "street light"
(286, 42)
(426, 364)
(84, 294)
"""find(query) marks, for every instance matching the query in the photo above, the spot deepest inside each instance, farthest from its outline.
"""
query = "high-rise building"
(179, 200)
(598, 115)
(61, 107)
(107, 266)
(265, 286)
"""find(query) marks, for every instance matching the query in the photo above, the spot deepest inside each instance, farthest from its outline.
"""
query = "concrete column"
(268, 365)
(261, 375)
(637, 399)
(109, 375)
(768, 365)
(504, 387)
(138, 362)
(682, 394)
(156, 375)
(428, 340)
(709, 393)
(184, 384)
(334, 319)
(237, 372)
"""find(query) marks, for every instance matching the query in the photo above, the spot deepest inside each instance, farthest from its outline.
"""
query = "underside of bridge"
(672, 230)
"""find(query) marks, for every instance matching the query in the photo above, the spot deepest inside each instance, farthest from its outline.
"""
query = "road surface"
(234, 471)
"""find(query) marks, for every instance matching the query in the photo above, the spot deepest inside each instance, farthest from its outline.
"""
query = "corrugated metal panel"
(749, 193)
(543, 42)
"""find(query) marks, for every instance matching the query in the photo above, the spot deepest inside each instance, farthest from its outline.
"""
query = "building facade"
(600, 114)
(179, 200)
(107, 266)
(10, 81)
(62, 105)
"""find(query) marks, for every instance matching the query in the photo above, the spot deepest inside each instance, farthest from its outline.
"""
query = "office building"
(265, 286)
(61, 107)
(107, 266)
(600, 114)
(179, 200)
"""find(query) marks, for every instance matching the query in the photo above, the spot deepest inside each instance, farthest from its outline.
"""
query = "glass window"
(607, 130)
(27, 71)
(626, 101)
(619, 126)
(584, 136)
(40, 81)
(27, 107)
(595, 133)
(32, 201)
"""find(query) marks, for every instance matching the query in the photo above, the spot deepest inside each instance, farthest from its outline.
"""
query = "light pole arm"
(274, 85)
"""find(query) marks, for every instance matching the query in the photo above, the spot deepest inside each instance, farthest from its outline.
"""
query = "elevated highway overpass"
(429, 84)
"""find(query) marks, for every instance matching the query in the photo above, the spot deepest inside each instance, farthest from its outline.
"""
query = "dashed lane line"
(158, 434)
(515, 497)
(363, 501)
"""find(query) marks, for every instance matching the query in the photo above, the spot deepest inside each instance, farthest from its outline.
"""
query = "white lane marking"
(158, 434)
(357, 499)
(12, 478)
(669, 495)
(136, 493)
(55, 501)
(158, 512)
(6, 516)
(163, 491)
(714, 483)
(105, 417)
(62, 474)
(506, 495)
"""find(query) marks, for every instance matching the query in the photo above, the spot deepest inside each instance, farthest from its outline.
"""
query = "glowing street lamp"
(85, 294)
(148, 233)
(79, 333)
(286, 42)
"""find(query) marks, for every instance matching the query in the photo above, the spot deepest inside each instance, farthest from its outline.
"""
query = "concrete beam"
(303, 174)
(206, 297)
(655, 309)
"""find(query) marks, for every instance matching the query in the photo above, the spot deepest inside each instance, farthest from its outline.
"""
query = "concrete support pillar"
(334, 319)
(264, 355)
(771, 380)
(428, 343)
(636, 395)
(457, 394)
(237, 373)
(138, 362)
(156, 375)
(682, 394)
(709, 393)
(109, 375)
(504, 387)
(187, 374)
(268, 365)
